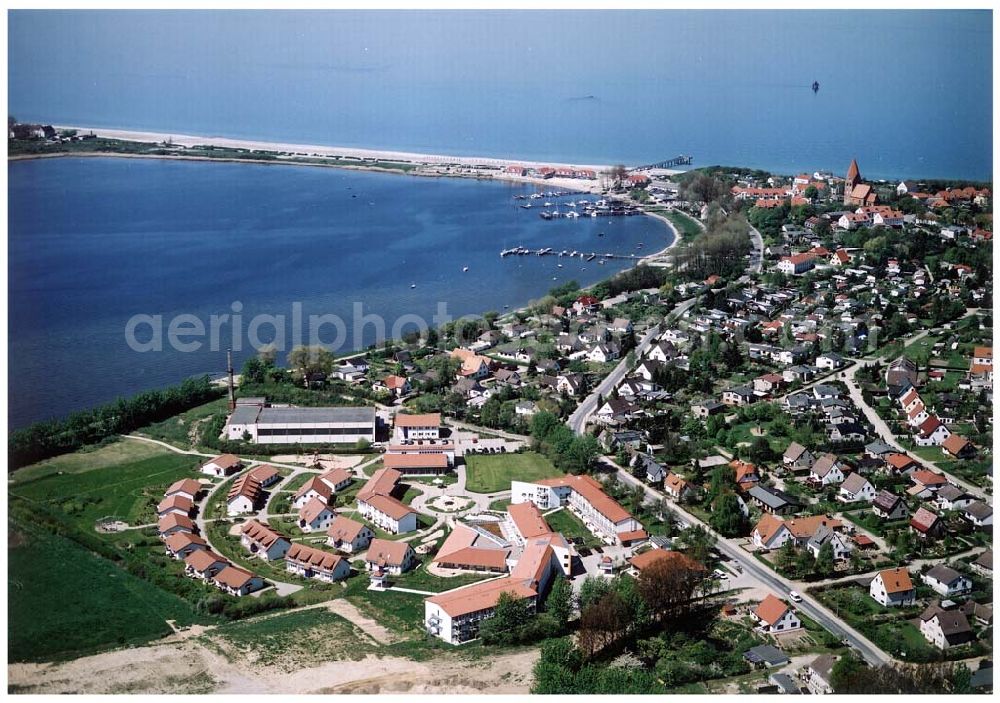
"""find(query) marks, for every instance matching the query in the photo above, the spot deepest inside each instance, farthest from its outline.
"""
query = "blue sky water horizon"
(907, 93)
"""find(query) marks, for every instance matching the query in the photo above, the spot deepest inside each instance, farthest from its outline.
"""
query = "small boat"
(464, 269)
(559, 265)
(601, 261)
(413, 285)
(815, 86)
(600, 234)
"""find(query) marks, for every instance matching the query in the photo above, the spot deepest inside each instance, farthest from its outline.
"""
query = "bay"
(96, 241)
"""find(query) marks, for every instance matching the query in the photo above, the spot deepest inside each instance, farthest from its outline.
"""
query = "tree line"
(49, 438)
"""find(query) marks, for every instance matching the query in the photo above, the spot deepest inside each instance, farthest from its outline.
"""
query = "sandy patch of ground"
(189, 667)
(349, 612)
(326, 461)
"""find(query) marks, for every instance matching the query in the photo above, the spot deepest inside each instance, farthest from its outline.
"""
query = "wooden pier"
(668, 163)
(548, 251)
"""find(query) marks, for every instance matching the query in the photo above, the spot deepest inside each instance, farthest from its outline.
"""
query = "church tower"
(853, 178)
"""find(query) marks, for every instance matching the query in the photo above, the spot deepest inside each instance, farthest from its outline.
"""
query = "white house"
(797, 264)
(425, 426)
(823, 536)
(263, 542)
(390, 556)
(818, 675)
(237, 582)
(978, 513)
(856, 488)
(244, 495)
(315, 516)
(945, 628)
(204, 564)
(185, 487)
(178, 504)
(222, 466)
(585, 497)
(830, 360)
(348, 535)
(892, 588)
(773, 615)
(376, 503)
(946, 581)
(313, 489)
(826, 471)
(309, 562)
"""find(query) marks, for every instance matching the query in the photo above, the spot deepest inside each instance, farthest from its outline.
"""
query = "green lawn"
(419, 579)
(686, 226)
(299, 481)
(88, 459)
(65, 602)
(491, 473)
(122, 481)
(178, 430)
(500, 504)
(570, 526)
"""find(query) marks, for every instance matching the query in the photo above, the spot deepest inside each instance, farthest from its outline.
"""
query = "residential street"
(780, 586)
(578, 420)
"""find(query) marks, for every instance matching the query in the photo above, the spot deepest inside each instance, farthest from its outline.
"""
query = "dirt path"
(190, 667)
(349, 612)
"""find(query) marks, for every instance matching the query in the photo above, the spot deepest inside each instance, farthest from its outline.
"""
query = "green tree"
(560, 601)
(592, 590)
(824, 560)
(699, 543)
(509, 616)
(727, 516)
(308, 360)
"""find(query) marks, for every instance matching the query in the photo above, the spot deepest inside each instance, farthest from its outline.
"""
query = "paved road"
(886, 435)
(756, 256)
(778, 584)
(882, 429)
(578, 420)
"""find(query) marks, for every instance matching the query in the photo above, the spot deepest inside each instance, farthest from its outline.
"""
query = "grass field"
(490, 473)
(294, 640)
(686, 226)
(65, 602)
(66, 599)
(125, 480)
(178, 430)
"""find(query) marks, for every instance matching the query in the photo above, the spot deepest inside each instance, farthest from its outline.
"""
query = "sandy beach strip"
(302, 150)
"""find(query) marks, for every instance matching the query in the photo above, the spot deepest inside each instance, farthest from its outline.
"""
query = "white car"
(794, 595)
(719, 573)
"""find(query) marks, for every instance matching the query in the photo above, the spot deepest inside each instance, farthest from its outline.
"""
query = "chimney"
(232, 392)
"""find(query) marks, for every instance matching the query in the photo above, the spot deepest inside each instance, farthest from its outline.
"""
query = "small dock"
(548, 251)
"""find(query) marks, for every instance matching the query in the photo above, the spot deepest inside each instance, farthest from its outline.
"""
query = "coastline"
(428, 165)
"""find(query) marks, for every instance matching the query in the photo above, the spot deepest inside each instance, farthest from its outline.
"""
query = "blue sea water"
(907, 93)
(95, 241)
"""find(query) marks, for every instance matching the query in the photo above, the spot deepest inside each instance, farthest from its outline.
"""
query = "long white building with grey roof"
(288, 425)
